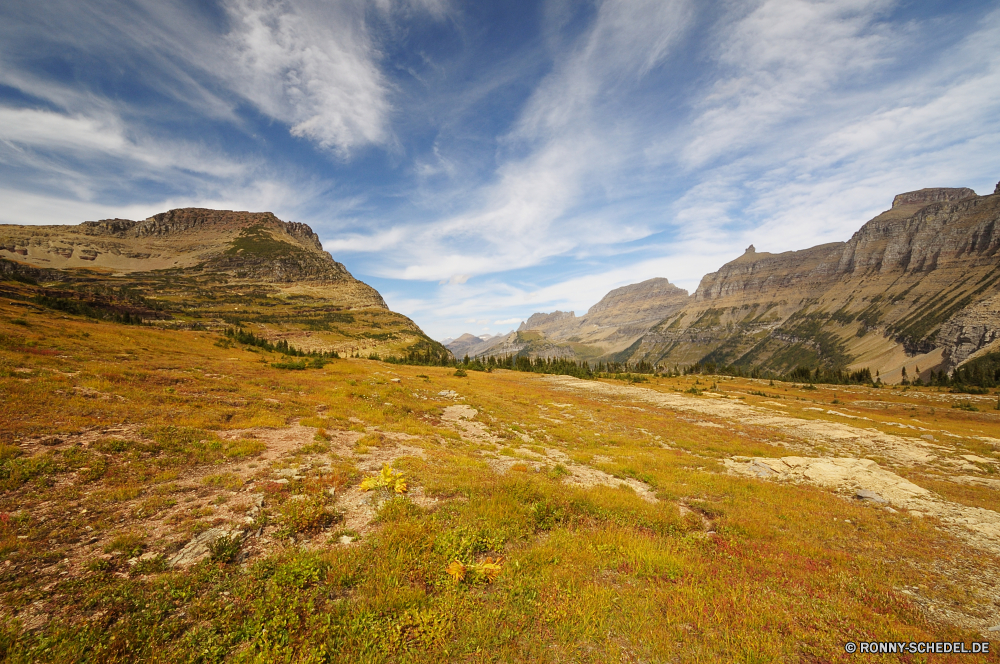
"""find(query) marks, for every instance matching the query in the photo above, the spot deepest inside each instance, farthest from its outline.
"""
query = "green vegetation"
(282, 346)
(972, 377)
(257, 241)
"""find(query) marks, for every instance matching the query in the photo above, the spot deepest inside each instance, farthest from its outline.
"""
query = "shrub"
(225, 549)
(305, 514)
(128, 544)
(386, 484)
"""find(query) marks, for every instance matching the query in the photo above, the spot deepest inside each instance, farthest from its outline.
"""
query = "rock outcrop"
(608, 327)
(926, 196)
(210, 268)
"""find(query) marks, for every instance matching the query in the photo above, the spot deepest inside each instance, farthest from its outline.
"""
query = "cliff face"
(754, 274)
(554, 320)
(911, 287)
(964, 232)
(647, 301)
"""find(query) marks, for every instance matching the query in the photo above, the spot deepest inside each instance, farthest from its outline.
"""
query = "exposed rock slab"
(977, 526)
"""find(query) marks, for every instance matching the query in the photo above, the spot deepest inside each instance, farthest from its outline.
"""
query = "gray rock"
(995, 628)
(865, 494)
(198, 548)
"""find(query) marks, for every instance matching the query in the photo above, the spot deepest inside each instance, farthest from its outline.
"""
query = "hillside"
(917, 287)
(913, 287)
(177, 495)
(196, 266)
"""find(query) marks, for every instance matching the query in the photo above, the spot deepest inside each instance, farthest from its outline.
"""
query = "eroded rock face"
(971, 330)
(913, 279)
(761, 272)
(933, 195)
(939, 233)
(650, 300)
(548, 321)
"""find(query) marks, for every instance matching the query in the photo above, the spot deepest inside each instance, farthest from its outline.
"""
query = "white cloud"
(313, 65)
(525, 216)
(776, 62)
(105, 136)
(508, 321)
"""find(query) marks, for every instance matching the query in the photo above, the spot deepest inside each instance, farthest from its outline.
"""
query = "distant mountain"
(918, 286)
(195, 265)
(611, 325)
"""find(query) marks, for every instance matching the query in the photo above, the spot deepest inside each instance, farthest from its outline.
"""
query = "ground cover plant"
(177, 495)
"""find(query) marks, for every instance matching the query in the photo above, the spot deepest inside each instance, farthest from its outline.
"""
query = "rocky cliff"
(912, 287)
(215, 265)
(608, 327)
(257, 243)
(917, 286)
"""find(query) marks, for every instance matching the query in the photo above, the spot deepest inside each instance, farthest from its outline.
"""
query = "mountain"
(611, 325)
(915, 287)
(195, 266)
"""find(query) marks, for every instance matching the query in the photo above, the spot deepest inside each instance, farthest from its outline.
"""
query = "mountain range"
(916, 287)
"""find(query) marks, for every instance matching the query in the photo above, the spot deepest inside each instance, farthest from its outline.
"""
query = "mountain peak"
(932, 195)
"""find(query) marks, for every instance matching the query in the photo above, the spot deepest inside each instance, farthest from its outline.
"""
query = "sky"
(477, 162)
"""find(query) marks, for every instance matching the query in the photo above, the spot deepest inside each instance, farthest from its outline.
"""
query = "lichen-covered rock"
(199, 548)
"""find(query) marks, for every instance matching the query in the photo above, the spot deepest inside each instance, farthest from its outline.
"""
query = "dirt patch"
(279, 442)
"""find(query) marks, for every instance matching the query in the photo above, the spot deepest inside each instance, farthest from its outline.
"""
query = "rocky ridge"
(210, 267)
(909, 289)
(611, 325)
(917, 287)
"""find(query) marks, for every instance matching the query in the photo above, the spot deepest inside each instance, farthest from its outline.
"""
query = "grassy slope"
(588, 574)
(310, 317)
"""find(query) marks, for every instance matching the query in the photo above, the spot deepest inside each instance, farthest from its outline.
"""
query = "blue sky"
(480, 161)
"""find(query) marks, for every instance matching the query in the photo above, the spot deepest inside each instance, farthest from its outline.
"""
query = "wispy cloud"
(313, 65)
(524, 217)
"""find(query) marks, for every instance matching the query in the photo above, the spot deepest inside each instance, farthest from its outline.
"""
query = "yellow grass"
(119, 440)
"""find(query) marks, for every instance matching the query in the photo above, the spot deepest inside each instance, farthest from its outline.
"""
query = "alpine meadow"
(445, 331)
